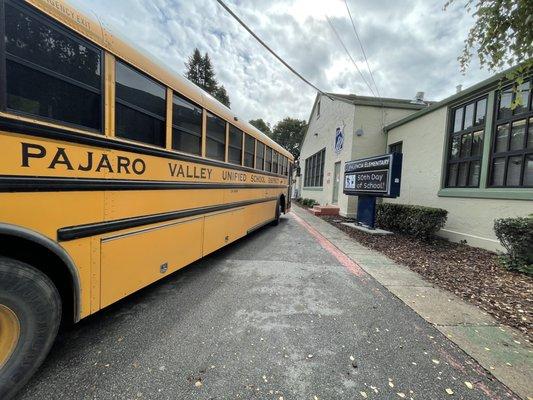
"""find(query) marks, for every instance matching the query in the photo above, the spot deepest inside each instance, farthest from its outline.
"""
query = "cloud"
(411, 46)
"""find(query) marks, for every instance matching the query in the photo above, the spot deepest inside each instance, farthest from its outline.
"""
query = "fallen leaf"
(449, 391)
(364, 395)
(469, 385)
(402, 395)
(436, 361)
(198, 384)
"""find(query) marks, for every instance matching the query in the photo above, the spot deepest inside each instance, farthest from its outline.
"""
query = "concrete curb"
(500, 349)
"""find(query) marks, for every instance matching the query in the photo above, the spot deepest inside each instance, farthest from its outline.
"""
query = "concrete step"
(324, 210)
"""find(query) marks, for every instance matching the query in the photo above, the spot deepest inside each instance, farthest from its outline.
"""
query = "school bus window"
(275, 162)
(260, 156)
(249, 149)
(268, 159)
(51, 73)
(186, 126)
(216, 137)
(140, 107)
(235, 145)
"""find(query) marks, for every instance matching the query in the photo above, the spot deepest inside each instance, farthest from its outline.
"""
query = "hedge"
(516, 235)
(419, 221)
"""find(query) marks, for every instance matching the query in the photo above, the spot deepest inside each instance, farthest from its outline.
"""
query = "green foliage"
(221, 95)
(289, 133)
(262, 126)
(502, 33)
(518, 76)
(201, 72)
(421, 222)
(516, 236)
(306, 202)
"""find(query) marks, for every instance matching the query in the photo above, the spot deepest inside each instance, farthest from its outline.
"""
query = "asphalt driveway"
(273, 316)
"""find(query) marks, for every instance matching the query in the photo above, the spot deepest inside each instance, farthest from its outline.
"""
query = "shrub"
(307, 202)
(421, 222)
(516, 235)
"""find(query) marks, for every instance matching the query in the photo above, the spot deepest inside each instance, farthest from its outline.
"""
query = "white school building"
(470, 153)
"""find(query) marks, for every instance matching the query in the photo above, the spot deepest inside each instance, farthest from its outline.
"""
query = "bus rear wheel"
(275, 221)
(30, 313)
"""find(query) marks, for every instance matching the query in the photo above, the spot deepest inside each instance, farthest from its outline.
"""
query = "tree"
(221, 95)
(289, 133)
(502, 35)
(194, 68)
(262, 126)
(200, 71)
(209, 82)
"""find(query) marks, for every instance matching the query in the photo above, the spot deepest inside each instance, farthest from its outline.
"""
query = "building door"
(336, 182)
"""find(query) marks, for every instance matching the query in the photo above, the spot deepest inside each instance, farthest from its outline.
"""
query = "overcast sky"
(412, 45)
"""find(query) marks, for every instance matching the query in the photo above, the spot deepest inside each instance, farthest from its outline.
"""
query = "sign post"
(369, 178)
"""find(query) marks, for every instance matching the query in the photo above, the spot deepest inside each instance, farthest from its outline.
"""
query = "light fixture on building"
(359, 132)
(316, 134)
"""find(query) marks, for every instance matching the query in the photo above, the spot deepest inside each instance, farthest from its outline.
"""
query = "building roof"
(487, 84)
(387, 102)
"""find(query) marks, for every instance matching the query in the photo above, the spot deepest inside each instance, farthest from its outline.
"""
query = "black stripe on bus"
(33, 129)
(50, 184)
(87, 230)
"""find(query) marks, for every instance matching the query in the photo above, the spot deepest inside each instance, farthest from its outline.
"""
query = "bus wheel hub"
(9, 333)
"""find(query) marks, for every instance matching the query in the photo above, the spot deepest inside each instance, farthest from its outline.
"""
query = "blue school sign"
(372, 177)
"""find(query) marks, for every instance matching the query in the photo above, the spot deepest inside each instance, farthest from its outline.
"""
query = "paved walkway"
(282, 314)
(499, 349)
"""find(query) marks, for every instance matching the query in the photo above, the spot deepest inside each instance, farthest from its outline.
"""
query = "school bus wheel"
(275, 221)
(30, 313)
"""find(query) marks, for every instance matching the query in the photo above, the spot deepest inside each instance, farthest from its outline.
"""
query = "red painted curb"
(346, 261)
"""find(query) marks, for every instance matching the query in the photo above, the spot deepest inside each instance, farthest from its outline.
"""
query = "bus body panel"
(133, 260)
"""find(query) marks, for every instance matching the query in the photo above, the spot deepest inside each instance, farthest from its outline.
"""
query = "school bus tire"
(30, 314)
(275, 221)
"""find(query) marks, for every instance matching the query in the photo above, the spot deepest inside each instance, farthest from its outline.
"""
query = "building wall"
(469, 219)
(321, 134)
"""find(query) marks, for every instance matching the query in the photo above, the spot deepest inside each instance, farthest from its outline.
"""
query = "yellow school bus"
(114, 173)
